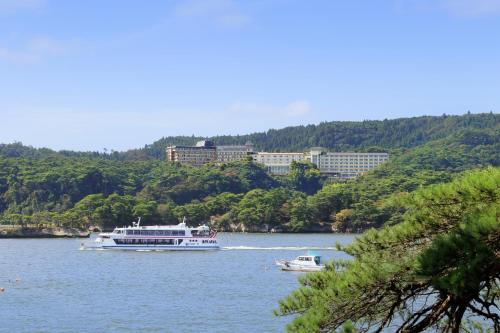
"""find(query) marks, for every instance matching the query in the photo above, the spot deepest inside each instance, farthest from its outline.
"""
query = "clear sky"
(118, 74)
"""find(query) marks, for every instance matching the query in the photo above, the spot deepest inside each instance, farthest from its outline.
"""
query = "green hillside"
(341, 135)
(44, 187)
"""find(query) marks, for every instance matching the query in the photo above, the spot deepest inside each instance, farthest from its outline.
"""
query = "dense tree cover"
(36, 182)
(370, 135)
(17, 149)
(439, 269)
(108, 192)
(259, 210)
(341, 135)
(305, 177)
(375, 199)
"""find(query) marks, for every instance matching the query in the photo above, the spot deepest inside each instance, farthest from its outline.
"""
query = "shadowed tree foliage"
(304, 176)
(424, 151)
(436, 270)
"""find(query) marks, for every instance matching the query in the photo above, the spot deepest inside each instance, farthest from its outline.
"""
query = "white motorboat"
(157, 237)
(302, 264)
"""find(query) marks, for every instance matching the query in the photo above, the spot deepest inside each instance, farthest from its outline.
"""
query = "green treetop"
(433, 271)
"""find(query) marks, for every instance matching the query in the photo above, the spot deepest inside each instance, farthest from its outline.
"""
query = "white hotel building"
(341, 165)
(234, 153)
(278, 163)
(346, 165)
(334, 164)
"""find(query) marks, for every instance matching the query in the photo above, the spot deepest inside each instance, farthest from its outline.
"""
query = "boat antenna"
(138, 223)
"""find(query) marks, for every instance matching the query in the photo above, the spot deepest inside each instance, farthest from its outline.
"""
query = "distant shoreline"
(33, 232)
(8, 232)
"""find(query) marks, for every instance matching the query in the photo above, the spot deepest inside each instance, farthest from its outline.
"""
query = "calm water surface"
(63, 289)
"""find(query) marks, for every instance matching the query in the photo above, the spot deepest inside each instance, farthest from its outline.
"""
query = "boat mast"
(138, 223)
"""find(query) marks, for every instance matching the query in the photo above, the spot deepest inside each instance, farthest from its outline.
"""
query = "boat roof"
(165, 227)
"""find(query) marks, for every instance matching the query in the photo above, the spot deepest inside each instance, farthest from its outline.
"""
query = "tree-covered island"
(43, 188)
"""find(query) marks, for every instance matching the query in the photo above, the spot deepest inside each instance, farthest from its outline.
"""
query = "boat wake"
(290, 248)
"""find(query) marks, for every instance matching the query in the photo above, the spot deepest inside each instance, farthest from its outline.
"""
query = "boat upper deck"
(180, 226)
(164, 230)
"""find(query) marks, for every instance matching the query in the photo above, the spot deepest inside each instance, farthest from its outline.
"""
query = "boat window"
(182, 233)
(194, 233)
(317, 260)
(137, 232)
(165, 241)
(179, 241)
(130, 232)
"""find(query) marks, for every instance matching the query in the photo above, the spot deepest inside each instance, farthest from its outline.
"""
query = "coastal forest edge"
(45, 188)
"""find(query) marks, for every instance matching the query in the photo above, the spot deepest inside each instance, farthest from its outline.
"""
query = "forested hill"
(336, 135)
(340, 135)
(42, 187)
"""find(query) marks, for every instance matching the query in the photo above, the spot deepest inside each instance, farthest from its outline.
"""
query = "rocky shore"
(240, 227)
(33, 232)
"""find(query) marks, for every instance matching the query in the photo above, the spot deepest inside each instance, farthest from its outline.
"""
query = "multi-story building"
(278, 163)
(202, 153)
(341, 165)
(334, 164)
(346, 165)
(234, 153)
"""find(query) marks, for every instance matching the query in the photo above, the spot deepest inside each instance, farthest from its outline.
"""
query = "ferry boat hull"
(161, 248)
(92, 246)
(155, 238)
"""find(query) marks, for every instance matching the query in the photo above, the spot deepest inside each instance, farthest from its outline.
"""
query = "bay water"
(52, 286)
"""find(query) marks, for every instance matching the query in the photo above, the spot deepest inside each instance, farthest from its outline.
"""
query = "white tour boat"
(302, 264)
(157, 237)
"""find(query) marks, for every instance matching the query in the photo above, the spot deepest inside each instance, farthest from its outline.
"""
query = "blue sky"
(94, 74)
